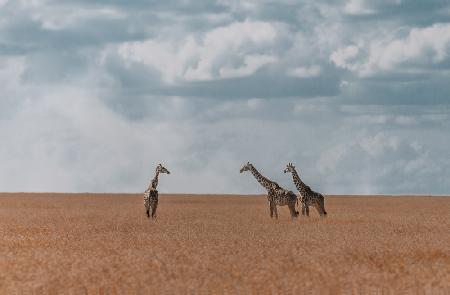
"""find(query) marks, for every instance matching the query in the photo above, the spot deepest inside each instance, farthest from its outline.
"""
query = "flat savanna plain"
(90, 244)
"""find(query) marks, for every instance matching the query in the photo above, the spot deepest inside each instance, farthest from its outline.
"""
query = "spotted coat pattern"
(151, 193)
(276, 195)
(308, 197)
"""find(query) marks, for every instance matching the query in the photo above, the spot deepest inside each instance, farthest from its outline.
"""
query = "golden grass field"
(104, 244)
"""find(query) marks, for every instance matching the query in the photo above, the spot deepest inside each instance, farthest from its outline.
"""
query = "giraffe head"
(161, 169)
(246, 167)
(289, 168)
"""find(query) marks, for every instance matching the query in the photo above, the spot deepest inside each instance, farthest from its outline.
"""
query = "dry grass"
(78, 244)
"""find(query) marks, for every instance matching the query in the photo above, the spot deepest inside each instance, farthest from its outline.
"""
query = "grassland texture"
(104, 244)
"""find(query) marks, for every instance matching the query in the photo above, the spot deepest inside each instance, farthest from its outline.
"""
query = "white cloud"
(254, 103)
(357, 7)
(11, 70)
(431, 43)
(315, 106)
(369, 119)
(13, 93)
(381, 162)
(421, 48)
(235, 50)
(330, 158)
(305, 72)
(366, 7)
(379, 144)
(372, 146)
(250, 65)
(59, 18)
(343, 84)
(239, 5)
(406, 120)
(346, 57)
(65, 139)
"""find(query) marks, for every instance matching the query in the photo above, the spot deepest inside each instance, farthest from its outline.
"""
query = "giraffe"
(151, 193)
(308, 196)
(276, 195)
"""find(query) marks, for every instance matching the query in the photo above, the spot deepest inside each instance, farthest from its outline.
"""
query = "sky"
(94, 94)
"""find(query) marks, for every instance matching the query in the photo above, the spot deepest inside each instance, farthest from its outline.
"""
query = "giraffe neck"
(301, 187)
(154, 182)
(267, 184)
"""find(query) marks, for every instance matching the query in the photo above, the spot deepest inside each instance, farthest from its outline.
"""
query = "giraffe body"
(276, 195)
(151, 193)
(151, 201)
(281, 197)
(308, 197)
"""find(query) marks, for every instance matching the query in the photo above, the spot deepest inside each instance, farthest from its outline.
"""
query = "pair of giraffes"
(276, 195)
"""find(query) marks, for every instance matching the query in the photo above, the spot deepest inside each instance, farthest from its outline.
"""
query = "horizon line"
(226, 194)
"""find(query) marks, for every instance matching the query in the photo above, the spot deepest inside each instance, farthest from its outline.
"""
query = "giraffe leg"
(147, 209)
(307, 210)
(271, 209)
(321, 209)
(318, 208)
(146, 205)
(155, 205)
(322, 204)
(276, 211)
(294, 213)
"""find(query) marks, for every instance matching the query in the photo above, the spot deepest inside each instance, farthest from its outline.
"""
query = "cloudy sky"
(94, 94)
